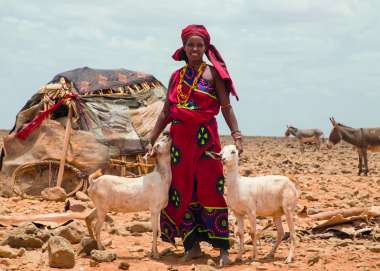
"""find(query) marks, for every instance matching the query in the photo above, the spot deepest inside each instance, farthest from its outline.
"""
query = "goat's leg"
(89, 219)
(101, 216)
(289, 219)
(240, 233)
(280, 235)
(159, 225)
(365, 157)
(252, 221)
(154, 220)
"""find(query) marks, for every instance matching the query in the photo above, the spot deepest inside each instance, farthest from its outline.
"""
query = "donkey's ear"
(333, 122)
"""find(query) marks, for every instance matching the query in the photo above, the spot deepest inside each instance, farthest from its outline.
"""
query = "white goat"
(120, 194)
(259, 196)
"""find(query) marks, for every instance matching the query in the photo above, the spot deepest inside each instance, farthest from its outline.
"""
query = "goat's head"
(335, 135)
(162, 146)
(229, 156)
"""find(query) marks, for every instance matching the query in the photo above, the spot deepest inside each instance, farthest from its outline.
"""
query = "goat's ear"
(153, 151)
(214, 155)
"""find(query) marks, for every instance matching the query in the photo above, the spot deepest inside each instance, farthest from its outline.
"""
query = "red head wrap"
(211, 52)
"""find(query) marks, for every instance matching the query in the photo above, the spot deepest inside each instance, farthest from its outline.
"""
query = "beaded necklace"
(183, 97)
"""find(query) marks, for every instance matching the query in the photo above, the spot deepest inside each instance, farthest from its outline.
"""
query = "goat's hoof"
(224, 261)
(288, 260)
(223, 258)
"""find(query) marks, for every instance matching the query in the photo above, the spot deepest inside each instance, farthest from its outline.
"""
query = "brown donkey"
(364, 139)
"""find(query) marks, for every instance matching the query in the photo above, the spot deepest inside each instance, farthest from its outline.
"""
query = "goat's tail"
(292, 178)
(93, 176)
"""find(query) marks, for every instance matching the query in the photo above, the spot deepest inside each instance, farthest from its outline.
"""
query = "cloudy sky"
(293, 61)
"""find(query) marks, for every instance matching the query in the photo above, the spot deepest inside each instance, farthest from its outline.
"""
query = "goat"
(305, 135)
(121, 194)
(271, 195)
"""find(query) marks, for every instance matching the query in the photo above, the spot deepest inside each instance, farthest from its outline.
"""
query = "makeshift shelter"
(85, 119)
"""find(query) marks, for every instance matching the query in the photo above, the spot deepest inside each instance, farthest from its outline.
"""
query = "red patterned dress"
(196, 210)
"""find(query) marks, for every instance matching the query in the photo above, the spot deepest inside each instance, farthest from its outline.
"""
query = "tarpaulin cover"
(89, 80)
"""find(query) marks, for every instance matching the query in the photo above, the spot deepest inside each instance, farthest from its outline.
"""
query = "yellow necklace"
(183, 97)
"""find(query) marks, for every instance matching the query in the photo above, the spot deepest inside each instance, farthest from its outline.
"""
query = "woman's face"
(195, 48)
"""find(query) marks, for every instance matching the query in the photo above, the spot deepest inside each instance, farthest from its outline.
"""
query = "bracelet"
(236, 134)
(225, 106)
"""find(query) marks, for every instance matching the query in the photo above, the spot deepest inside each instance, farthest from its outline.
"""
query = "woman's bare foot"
(223, 258)
(193, 253)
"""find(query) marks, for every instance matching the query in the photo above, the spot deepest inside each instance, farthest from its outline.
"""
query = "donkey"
(364, 139)
(305, 135)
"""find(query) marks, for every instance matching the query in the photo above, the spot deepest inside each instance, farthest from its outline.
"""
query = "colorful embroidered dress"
(196, 210)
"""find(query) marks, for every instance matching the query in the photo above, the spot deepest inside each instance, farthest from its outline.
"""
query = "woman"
(196, 209)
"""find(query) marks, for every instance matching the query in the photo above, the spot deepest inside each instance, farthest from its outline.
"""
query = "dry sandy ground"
(327, 180)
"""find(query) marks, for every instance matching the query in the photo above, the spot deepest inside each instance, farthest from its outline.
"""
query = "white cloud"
(280, 52)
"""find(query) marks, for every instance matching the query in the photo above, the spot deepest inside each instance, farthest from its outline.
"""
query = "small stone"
(210, 262)
(313, 259)
(204, 268)
(73, 232)
(375, 248)
(74, 205)
(114, 231)
(124, 266)
(82, 196)
(103, 256)
(61, 253)
(4, 262)
(172, 268)
(93, 263)
(136, 249)
(11, 253)
(26, 235)
(167, 251)
(54, 194)
(312, 211)
(21, 252)
(344, 243)
(139, 227)
(87, 245)
(311, 197)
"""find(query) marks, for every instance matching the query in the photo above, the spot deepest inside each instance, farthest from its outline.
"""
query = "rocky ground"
(326, 179)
